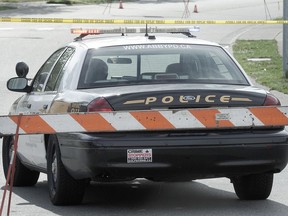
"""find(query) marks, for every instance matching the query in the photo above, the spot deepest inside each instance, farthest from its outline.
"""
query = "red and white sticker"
(139, 155)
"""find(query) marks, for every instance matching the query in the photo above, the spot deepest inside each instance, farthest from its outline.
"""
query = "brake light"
(99, 104)
(271, 100)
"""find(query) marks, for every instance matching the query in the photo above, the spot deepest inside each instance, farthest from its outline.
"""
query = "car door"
(38, 101)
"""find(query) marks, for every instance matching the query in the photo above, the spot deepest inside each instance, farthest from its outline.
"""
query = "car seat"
(97, 71)
(183, 70)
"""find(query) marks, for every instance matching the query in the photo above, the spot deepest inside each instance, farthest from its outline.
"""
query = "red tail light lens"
(99, 104)
(271, 100)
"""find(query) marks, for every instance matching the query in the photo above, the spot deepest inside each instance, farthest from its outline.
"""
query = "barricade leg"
(186, 12)
(11, 171)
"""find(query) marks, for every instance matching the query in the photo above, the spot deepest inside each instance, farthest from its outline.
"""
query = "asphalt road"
(33, 43)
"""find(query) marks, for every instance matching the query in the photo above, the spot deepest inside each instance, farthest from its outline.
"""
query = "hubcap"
(11, 149)
(54, 168)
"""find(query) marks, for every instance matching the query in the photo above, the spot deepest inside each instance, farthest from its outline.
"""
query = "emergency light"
(184, 30)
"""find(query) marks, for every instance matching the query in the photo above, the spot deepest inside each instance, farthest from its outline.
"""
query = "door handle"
(45, 106)
(28, 106)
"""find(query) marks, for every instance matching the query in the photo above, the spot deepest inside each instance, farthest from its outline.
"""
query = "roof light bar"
(85, 31)
(194, 29)
(134, 30)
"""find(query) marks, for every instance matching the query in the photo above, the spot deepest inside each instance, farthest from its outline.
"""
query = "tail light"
(99, 104)
(271, 100)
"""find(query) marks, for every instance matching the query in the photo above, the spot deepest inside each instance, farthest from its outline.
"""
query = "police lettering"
(189, 99)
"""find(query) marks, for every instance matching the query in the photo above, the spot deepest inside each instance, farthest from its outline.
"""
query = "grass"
(267, 73)
(6, 8)
(18, 1)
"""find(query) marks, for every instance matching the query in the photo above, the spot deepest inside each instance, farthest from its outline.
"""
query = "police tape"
(133, 21)
(150, 120)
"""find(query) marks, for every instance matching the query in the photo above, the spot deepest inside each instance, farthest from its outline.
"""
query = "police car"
(142, 71)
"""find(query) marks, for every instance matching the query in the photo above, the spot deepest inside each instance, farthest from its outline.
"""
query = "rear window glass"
(159, 63)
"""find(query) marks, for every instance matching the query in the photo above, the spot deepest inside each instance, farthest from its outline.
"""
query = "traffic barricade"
(117, 121)
(148, 120)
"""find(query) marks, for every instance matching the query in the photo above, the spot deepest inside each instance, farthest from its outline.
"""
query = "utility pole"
(285, 40)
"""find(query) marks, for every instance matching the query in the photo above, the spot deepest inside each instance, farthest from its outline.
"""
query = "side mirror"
(22, 69)
(18, 84)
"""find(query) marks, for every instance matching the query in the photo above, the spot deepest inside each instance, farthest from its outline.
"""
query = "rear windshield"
(159, 63)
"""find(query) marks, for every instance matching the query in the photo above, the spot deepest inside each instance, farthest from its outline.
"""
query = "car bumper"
(174, 155)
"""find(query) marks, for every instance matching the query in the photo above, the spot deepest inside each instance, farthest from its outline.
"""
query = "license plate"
(139, 155)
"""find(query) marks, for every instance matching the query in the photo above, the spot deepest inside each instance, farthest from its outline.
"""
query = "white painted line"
(44, 29)
(6, 29)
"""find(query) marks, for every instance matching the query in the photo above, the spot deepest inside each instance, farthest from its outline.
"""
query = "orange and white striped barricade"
(150, 120)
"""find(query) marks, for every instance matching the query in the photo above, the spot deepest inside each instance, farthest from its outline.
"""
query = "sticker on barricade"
(152, 120)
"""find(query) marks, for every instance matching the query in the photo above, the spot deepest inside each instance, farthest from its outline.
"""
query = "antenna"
(146, 33)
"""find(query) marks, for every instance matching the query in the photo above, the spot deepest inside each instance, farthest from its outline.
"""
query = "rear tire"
(63, 188)
(253, 187)
(23, 176)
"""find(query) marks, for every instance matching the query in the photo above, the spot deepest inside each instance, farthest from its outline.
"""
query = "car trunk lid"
(181, 96)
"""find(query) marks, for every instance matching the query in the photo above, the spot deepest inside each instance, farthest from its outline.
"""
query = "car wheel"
(22, 176)
(253, 187)
(63, 188)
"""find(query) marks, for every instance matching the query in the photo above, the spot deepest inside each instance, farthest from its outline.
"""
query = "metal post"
(285, 40)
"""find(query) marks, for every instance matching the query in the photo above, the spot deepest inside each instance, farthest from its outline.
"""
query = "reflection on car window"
(159, 63)
(58, 70)
(44, 71)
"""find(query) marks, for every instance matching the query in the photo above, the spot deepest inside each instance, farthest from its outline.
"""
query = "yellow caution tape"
(131, 21)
